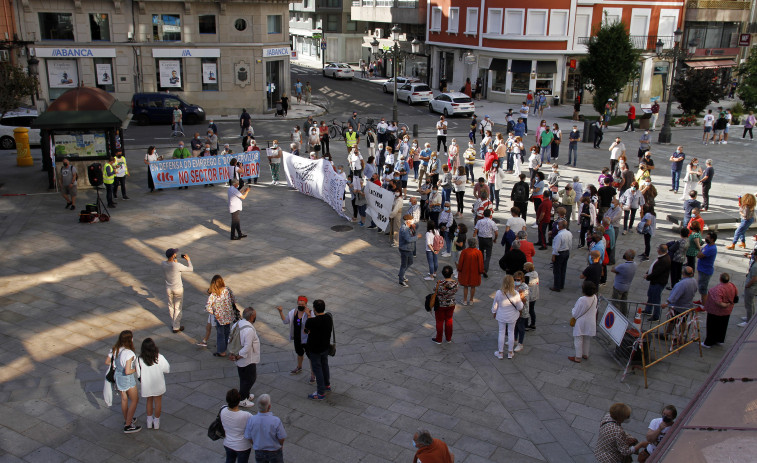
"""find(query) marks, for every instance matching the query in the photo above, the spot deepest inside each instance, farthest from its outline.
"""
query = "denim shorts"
(703, 282)
(125, 382)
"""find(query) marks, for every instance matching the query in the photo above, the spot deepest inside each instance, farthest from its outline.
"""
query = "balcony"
(389, 11)
(641, 42)
(719, 4)
(387, 3)
(718, 10)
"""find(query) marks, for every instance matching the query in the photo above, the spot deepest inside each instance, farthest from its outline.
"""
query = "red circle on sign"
(609, 320)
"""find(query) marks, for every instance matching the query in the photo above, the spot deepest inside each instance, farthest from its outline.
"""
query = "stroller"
(279, 109)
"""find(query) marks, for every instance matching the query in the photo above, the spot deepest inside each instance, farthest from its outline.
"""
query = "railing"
(387, 3)
(719, 4)
(640, 42)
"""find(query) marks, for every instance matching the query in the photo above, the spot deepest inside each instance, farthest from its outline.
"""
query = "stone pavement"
(67, 289)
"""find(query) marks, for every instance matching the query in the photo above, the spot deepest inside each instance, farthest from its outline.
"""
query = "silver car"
(452, 103)
(416, 92)
(338, 71)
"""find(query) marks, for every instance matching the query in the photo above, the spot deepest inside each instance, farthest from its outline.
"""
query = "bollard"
(415, 130)
(23, 152)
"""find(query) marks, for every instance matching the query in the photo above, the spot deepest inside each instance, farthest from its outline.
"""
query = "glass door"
(273, 82)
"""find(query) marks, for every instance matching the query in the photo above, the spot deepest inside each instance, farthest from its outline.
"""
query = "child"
(532, 280)
(520, 327)
(151, 367)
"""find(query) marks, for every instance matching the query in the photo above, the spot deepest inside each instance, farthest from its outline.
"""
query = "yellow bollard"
(24, 155)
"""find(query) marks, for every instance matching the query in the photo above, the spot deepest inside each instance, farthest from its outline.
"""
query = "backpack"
(438, 243)
(673, 247)
(520, 192)
(235, 338)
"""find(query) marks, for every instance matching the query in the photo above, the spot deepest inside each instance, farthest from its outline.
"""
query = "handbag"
(573, 320)
(110, 376)
(431, 300)
(332, 347)
(215, 430)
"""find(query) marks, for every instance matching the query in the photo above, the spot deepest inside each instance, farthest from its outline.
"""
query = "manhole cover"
(341, 228)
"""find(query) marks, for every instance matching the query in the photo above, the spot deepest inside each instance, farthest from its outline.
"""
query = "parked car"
(452, 104)
(157, 108)
(20, 117)
(338, 71)
(389, 84)
(415, 92)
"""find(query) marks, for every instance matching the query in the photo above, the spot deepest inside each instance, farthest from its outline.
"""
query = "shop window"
(274, 24)
(166, 27)
(207, 23)
(544, 83)
(499, 82)
(104, 78)
(520, 82)
(210, 74)
(56, 26)
(169, 74)
(99, 27)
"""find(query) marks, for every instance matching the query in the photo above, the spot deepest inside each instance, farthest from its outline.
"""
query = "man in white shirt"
(486, 124)
(174, 287)
(486, 232)
(524, 115)
(441, 134)
(616, 149)
(248, 357)
(561, 244)
(235, 207)
(658, 428)
(709, 119)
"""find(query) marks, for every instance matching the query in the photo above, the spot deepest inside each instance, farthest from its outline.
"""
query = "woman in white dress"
(506, 310)
(693, 174)
(151, 366)
(585, 313)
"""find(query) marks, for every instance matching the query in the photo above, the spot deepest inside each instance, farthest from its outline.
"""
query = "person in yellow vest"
(109, 177)
(122, 171)
(351, 138)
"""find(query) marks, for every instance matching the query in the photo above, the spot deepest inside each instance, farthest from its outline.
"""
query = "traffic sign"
(323, 45)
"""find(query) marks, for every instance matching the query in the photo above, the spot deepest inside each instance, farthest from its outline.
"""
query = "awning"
(498, 65)
(711, 64)
(546, 67)
(521, 66)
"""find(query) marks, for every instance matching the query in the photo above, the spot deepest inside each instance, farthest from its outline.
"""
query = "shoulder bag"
(215, 430)
(332, 347)
(431, 300)
(111, 374)
(573, 319)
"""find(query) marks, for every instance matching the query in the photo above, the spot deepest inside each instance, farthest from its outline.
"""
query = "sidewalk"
(296, 111)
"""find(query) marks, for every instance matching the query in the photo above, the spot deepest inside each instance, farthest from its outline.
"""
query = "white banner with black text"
(315, 178)
(379, 204)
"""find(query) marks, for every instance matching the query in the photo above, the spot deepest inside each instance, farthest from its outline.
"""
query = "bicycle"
(336, 130)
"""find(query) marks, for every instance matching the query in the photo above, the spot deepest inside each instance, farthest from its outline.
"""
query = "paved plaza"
(67, 289)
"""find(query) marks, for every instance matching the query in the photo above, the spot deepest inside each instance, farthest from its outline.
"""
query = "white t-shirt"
(123, 356)
(151, 377)
(235, 200)
(151, 157)
(708, 120)
(430, 239)
(516, 224)
(355, 161)
(441, 128)
(654, 425)
(234, 424)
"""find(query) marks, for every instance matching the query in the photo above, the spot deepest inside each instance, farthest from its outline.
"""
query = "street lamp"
(676, 55)
(396, 54)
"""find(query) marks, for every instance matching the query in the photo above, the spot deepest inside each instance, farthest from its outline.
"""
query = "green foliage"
(738, 110)
(16, 86)
(694, 89)
(611, 63)
(747, 88)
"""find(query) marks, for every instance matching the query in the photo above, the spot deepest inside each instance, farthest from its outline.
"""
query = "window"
(611, 15)
(667, 25)
(583, 26)
(521, 76)
(331, 3)
(351, 26)
(558, 22)
(104, 78)
(169, 74)
(332, 23)
(207, 24)
(99, 28)
(494, 21)
(453, 20)
(712, 34)
(436, 19)
(166, 27)
(514, 21)
(240, 24)
(274, 24)
(471, 21)
(56, 26)
(537, 22)
(640, 23)
(209, 74)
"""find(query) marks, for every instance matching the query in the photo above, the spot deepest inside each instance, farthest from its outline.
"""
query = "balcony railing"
(387, 3)
(719, 4)
(641, 42)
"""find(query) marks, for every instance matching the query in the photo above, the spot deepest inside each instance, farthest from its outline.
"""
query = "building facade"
(8, 39)
(221, 55)
(314, 24)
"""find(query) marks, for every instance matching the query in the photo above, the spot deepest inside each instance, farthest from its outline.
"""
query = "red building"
(515, 48)
(7, 31)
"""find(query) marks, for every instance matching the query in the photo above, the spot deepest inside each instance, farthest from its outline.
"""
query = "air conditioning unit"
(4, 56)
(379, 33)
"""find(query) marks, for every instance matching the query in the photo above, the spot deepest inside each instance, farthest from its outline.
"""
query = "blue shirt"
(599, 246)
(265, 431)
(400, 166)
(624, 274)
(425, 153)
(407, 238)
(520, 129)
(677, 166)
(706, 264)
(682, 295)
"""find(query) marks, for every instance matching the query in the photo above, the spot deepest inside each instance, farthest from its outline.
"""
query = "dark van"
(157, 108)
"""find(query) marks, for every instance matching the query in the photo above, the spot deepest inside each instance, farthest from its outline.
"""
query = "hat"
(302, 300)
(486, 117)
(171, 252)
(610, 99)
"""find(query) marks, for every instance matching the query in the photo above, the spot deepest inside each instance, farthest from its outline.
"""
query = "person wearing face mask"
(658, 428)
(433, 168)
(435, 202)
(197, 145)
(649, 191)
(407, 240)
(248, 357)
(414, 156)
(573, 139)
(447, 228)
(676, 167)
(296, 319)
(395, 217)
(274, 159)
(67, 182)
(453, 160)
(470, 160)
(212, 140)
(122, 171)
(614, 444)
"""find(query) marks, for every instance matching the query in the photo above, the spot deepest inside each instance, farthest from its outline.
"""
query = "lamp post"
(396, 54)
(676, 55)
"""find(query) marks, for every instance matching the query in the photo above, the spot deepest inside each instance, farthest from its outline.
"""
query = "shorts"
(70, 190)
(726, 129)
(404, 183)
(125, 382)
(211, 319)
(299, 349)
(707, 129)
(703, 282)
(719, 132)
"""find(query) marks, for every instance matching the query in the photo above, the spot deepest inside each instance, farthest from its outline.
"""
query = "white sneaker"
(742, 324)
(428, 278)
(246, 403)
(704, 345)
(744, 319)
(725, 142)
(156, 423)
(446, 254)
(149, 422)
(534, 226)
(498, 354)
(251, 397)
(518, 348)
(510, 355)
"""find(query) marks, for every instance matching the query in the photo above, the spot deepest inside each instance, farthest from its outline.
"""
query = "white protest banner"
(315, 178)
(379, 204)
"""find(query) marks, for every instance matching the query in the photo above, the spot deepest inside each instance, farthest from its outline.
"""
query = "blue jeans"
(319, 361)
(573, 153)
(520, 329)
(433, 262)
(236, 456)
(548, 151)
(654, 295)
(494, 195)
(446, 194)
(675, 176)
(406, 261)
(741, 231)
(222, 336)
(510, 160)
(469, 172)
(448, 238)
(269, 456)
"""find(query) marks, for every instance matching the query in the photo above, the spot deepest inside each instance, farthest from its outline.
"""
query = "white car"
(452, 103)
(416, 92)
(18, 118)
(389, 84)
(338, 71)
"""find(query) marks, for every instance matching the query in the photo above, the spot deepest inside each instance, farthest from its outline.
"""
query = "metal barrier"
(645, 344)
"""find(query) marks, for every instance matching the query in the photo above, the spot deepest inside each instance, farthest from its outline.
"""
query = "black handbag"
(215, 430)
(111, 374)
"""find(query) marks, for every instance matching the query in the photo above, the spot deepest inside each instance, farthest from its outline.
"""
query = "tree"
(694, 89)
(16, 87)
(611, 63)
(747, 89)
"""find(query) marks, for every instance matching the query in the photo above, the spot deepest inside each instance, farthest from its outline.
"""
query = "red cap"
(302, 300)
